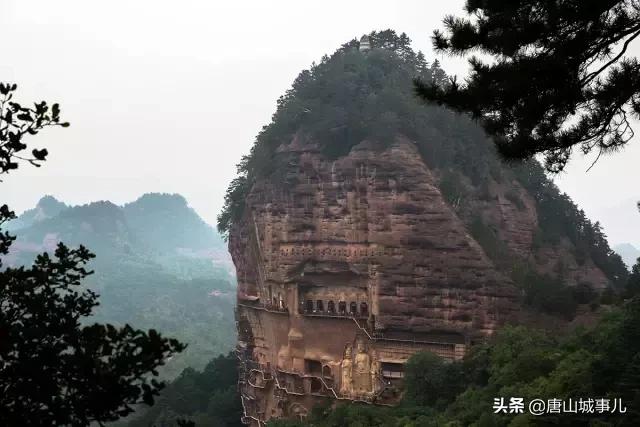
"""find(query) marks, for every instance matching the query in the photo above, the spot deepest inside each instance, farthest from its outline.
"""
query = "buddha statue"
(362, 371)
(346, 378)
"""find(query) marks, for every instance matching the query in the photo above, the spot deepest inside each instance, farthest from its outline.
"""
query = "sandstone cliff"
(365, 227)
(369, 222)
(360, 252)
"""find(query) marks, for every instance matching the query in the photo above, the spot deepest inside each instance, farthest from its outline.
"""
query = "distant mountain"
(628, 252)
(158, 265)
(164, 222)
(100, 226)
(155, 226)
(47, 207)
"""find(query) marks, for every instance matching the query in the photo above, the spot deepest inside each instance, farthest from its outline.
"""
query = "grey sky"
(167, 95)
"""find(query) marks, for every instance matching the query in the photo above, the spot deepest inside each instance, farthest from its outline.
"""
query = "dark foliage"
(430, 381)
(150, 269)
(352, 96)
(549, 295)
(559, 77)
(633, 284)
(54, 371)
(207, 398)
(17, 121)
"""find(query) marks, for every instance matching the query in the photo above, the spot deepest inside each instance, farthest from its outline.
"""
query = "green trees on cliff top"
(353, 96)
(347, 98)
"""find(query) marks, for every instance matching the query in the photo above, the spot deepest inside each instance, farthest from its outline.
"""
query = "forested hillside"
(208, 397)
(525, 225)
(158, 265)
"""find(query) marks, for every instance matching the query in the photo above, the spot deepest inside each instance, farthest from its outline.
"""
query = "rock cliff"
(366, 227)
(364, 251)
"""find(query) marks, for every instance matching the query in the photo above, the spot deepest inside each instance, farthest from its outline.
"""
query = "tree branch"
(589, 77)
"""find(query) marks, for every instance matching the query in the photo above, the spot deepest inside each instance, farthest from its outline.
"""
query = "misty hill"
(152, 213)
(99, 225)
(158, 265)
(47, 207)
(156, 226)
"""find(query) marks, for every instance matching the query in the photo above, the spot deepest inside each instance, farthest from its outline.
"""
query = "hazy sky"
(167, 95)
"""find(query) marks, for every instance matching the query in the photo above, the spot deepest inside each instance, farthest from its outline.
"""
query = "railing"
(375, 336)
(245, 416)
(336, 314)
(242, 372)
(248, 367)
(265, 307)
(273, 375)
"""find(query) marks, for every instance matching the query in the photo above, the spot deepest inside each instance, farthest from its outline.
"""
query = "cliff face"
(365, 227)
(511, 211)
(360, 252)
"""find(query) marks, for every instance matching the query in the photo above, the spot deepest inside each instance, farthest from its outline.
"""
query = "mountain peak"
(173, 198)
(104, 207)
(47, 207)
(155, 217)
(158, 223)
(48, 201)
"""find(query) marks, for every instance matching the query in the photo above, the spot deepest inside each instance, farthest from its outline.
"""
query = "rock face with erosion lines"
(348, 271)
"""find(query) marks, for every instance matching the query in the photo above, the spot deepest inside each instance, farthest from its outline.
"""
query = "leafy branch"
(17, 121)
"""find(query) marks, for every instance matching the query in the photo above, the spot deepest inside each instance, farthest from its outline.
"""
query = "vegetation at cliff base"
(208, 398)
(517, 362)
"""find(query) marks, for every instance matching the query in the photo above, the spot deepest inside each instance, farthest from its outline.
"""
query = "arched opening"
(274, 302)
(353, 308)
(364, 309)
(342, 307)
(331, 307)
(309, 306)
(320, 305)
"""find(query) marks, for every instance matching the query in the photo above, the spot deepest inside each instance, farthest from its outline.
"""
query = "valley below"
(158, 265)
